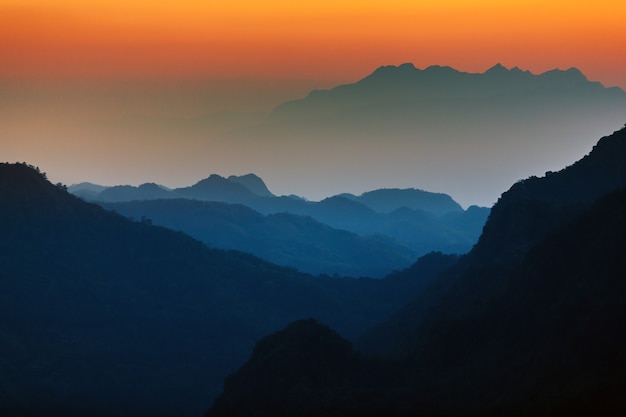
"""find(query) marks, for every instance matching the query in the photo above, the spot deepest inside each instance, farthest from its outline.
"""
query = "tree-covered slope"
(550, 344)
(528, 323)
(282, 238)
(100, 315)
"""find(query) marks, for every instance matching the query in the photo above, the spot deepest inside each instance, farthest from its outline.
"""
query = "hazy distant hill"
(528, 323)
(148, 191)
(418, 228)
(86, 190)
(405, 93)
(285, 239)
(217, 188)
(100, 315)
(437, 127)
(390, 199)
(234, 189)
(253, 183)
(400, 224)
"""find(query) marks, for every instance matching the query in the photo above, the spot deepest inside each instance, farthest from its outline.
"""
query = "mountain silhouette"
(217, 188)
(282, 238)
(253, 183)
(411, 88)
(527, 323)
(292, 372)
(86, 190)
(390, 199)
(551, 345)
(101, 315)
(410, 222)
(148, 191)
(437, 127)
(419, 229)
(234, 189)
(528, 211)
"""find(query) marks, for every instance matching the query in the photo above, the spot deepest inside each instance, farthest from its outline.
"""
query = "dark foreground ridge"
(103, 316)
(530, 323)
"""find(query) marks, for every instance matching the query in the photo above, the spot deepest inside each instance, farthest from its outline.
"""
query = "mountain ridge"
(437, 127)
(104, 316)
(554, 346)
(527, 323)
(407, 80)
(526, 212)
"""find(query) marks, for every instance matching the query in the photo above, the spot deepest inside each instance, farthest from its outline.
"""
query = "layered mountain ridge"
(104, 316)
(371, 234)
(405, 84)
(528, 323)
(438, 127)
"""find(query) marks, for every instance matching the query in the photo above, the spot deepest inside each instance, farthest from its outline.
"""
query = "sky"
(312, 39)
(86, 86)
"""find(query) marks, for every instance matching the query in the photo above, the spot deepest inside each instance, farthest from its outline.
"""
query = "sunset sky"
(87, 85)
(320, 39)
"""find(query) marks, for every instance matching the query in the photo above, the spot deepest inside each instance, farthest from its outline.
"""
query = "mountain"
(100, 315)
(419, 229)
(234, 189)
(552, 345)
(438, 127)
(409, 222)
(526, 213)
(391, 199)
(217, 188)
(527, 323)
(253, 183)
(335, 236)
(86, 190)
(404, 89)
(285, 239)
(292, 372)
(148, 191)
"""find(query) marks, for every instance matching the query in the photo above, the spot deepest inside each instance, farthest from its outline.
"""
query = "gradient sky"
(320, 39)
(88, 88)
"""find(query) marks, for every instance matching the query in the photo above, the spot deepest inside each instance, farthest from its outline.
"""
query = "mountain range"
(106, 315)
(101, 315)
(528, 323)
(286, 239)
(338, 235)
(438, 127)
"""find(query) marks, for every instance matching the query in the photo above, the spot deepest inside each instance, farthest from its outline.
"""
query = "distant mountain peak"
(252, 182)
(407, 66)
(210, 180)
(571, 74)
(497, 68)
(393, 69)
(575, 73)
(387, 200)
(151, 186)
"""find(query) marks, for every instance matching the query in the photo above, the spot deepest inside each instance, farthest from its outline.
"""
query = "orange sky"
(313, 39)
